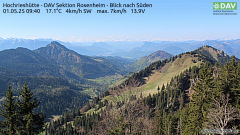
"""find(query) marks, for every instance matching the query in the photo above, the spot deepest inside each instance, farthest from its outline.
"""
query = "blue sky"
(166, 20)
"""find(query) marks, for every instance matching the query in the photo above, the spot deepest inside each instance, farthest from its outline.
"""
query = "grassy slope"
(158, 78)
(163, 76)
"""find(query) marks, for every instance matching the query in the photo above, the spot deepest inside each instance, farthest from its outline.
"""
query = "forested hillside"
(79, 65)
(57, 75)
(200, 94)
(61, 78)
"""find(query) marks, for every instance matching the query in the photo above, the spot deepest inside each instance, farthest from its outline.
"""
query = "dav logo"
(224, 5)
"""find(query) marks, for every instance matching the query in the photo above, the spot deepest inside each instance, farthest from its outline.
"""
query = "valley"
(57, 74)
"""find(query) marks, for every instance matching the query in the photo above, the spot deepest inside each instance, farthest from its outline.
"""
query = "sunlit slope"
(164, 75)
(153, 81)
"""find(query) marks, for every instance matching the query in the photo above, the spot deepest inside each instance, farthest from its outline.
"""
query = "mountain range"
(64, 79)
(55, 71)
(126, 49)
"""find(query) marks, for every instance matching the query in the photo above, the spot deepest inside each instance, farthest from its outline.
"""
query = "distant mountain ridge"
(147, 60)
(126, 49)
(13, 43)
(158, 55)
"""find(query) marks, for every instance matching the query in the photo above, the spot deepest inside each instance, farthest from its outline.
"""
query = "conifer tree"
(159, 122)
(10, 114)
(201, 100)
(163, 87)
(31, 122)
(235, 81)
(229, 81)
(238, 87)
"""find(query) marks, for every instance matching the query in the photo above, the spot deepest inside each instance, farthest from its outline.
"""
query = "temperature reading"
(54, 10)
